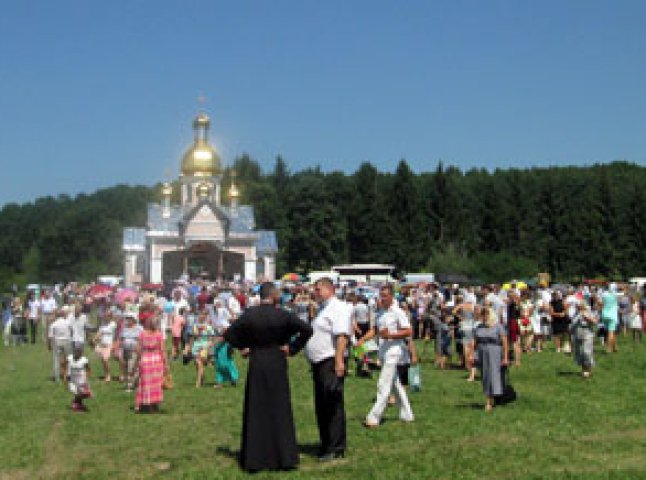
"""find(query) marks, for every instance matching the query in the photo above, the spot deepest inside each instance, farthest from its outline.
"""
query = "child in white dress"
(78, 369)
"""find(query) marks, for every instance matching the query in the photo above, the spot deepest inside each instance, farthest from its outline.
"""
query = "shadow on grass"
(227, 451)
(307, 449)
(568, 374)
(472, 405)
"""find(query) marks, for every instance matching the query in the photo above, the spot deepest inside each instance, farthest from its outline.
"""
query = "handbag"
(168, 380)
(508, 392)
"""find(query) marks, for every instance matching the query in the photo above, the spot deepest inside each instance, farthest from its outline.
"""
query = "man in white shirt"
(221, 317)
(394, 328)
(470, 296)
(48, 309)
(78, 321)
(234, 305)
(496, 300)
(179, 302)
(360, 316)
(60, 343)
(326, 351)
(33, 314)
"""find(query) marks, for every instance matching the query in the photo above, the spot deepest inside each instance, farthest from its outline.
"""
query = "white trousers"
(388, 379)
(6, 334)
(60, 350)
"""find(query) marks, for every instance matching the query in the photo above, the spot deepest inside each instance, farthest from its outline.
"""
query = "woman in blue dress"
(225, 366)
(610, 315)
(493, 354)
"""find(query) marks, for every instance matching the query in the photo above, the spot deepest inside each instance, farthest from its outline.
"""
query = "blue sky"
(94, 93)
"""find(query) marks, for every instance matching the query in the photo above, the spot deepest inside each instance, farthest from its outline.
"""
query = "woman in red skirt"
(152, 366)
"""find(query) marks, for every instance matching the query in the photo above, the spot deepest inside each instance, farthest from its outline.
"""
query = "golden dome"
(201, 160)
(203, 190)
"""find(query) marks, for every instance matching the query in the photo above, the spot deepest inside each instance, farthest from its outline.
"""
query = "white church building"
(202, 236)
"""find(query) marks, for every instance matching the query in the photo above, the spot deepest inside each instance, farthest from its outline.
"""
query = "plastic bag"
(414, 378)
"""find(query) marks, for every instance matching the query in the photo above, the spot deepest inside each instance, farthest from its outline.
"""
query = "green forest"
(572, 222)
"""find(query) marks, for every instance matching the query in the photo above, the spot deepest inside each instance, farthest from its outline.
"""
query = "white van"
(313, 277)
(110, 280)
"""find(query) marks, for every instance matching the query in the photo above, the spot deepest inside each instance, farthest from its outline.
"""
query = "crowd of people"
(344, 330)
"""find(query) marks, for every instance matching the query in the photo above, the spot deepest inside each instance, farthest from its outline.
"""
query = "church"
(203, 236)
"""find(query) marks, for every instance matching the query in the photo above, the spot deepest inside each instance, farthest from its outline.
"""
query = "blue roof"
(134, 238)
(267, 242)
(241, 221)
(158, 223)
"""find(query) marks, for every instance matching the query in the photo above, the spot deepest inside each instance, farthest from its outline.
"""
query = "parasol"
(126, 294)
(291, 277)
(99, 291)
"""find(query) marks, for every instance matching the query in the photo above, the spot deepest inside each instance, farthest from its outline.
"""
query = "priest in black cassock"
(270, 334)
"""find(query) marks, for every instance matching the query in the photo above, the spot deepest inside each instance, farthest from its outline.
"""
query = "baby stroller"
(366, 358)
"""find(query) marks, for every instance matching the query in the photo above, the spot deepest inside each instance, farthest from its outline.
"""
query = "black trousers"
(329, 405)
(33, 328)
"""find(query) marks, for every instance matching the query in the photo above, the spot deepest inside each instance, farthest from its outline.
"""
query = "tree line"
(572, 222)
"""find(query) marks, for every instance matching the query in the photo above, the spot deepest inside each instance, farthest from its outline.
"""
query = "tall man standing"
(326, 351)
(394, 328)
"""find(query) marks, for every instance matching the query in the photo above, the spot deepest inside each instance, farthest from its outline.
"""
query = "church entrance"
(203, 260)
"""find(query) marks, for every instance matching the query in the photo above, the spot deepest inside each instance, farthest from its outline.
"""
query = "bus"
(366, 273)
(415, 278)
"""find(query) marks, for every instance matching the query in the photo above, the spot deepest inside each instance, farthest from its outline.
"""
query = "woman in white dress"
(635, 320)
(104, 344)
(535, 319)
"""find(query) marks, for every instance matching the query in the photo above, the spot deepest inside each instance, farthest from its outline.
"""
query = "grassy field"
(560, 427)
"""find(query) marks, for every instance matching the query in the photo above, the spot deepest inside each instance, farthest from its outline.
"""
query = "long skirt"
(584, 348)
(490, 360)
(225, 366)
(151, 377)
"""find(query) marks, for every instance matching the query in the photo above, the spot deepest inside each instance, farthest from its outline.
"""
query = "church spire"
(201, 126)
(234, 193)
(167, 191)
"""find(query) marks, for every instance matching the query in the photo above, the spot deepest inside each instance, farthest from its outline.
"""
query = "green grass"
(561, 427)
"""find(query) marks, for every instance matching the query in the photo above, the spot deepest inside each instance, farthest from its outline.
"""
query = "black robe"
(268, 434)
